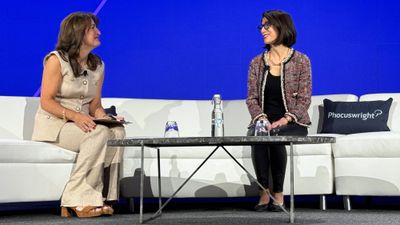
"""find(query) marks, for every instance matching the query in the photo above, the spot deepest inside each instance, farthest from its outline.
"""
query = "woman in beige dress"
(70, 100)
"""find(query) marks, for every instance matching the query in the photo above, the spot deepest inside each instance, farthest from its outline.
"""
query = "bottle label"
(219, 122)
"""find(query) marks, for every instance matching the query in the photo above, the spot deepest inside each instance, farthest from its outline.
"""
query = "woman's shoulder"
(258, 59)
(52, 58)
(55, 56)
(300, 57)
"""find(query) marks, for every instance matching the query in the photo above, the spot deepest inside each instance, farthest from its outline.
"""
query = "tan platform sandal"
(87, 211)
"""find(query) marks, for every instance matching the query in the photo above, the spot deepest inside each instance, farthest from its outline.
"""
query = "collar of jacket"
(285, 60)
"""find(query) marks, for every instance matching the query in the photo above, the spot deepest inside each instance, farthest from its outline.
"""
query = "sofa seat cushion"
(22, 151)
(383, 144)
(310, 149)
(314, 149)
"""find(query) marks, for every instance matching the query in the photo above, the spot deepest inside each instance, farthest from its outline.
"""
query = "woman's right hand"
(268, 124)
(84, 121)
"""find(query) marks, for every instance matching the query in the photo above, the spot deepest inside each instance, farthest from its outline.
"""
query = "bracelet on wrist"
(288, 118)
(64, 117)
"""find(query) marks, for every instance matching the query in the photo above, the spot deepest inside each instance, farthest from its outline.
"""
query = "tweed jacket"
(295, 83)
(75, 93)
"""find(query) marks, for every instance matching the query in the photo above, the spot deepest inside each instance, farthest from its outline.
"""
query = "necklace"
(280, 60)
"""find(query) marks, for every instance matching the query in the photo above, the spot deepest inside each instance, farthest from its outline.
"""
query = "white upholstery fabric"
(364, 164)
(367, 176)
(17, 117)
(394, 118)
(369, 163)
(189, 152)
(313, 175)
(194, 119)
(21, 151)
(217, 178)
(368, 145)
(30, 182)
(46, 167)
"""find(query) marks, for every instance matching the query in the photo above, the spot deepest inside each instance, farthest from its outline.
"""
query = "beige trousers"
(95, 176)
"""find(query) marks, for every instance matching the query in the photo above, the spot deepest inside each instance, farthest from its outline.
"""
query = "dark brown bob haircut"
(283, 24)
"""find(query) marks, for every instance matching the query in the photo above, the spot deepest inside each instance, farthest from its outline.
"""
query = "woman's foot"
(263, 202)
(81, 212)
(107, 209)
(279, 197)
(261, 207)
(276, 207)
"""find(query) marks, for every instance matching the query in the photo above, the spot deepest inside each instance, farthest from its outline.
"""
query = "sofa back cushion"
(316, 110)
(394, 113)
(148, 116)
(17, 116)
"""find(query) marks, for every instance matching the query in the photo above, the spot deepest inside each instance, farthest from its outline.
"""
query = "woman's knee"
(100, 130)
(118, 132)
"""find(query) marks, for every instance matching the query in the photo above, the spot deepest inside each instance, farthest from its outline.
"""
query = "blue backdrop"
(192, 49)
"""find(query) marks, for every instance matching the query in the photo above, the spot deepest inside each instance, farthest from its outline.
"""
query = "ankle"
(278, 203)
(279, 198)
(264, 197)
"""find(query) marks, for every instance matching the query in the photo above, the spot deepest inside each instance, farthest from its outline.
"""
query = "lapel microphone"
(85, 73)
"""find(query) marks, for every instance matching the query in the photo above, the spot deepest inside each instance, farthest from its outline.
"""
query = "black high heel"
(261, 207)
(273, 207)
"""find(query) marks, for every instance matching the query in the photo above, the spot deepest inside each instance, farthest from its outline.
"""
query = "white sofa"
(368, 164)
(34, 171)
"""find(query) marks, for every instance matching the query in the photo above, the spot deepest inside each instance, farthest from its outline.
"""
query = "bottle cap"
(217, 98)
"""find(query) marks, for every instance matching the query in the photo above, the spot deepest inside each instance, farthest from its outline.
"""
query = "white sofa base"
(33, 182)
(367, 177)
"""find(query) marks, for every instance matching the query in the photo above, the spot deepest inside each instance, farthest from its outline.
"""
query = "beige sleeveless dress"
(95, 176)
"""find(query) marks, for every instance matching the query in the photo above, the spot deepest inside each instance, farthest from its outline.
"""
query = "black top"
(273, 101)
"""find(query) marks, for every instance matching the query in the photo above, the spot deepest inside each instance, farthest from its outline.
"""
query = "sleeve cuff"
(291, 115)
(258, 116)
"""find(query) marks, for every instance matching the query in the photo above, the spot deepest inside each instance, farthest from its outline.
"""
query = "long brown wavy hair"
(70, 37)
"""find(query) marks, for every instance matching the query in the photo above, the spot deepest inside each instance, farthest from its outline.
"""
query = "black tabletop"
(213, 141)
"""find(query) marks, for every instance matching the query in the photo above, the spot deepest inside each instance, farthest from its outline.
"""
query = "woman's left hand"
(281, 122)
(119, 118)
(111, 117)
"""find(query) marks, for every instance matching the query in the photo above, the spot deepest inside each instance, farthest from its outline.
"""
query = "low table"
(218, 142)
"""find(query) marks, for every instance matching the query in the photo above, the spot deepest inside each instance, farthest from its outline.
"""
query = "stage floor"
(229, 213)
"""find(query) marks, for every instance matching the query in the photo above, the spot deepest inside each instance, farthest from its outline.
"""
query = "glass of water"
(261, 128)
(171, 129)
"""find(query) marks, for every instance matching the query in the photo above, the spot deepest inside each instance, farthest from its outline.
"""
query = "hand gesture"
(84, 121)
(281, 122)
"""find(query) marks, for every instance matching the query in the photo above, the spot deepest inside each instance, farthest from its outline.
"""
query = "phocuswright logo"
(361, 115)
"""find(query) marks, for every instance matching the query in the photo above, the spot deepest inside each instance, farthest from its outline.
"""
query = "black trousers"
(274, 157)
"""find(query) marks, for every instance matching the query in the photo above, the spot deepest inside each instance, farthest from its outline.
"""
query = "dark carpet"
(365, 211)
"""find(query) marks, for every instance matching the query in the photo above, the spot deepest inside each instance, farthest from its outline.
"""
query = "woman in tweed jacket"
(279, 93)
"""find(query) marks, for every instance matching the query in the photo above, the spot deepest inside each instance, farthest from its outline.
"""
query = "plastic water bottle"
(217, 117)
